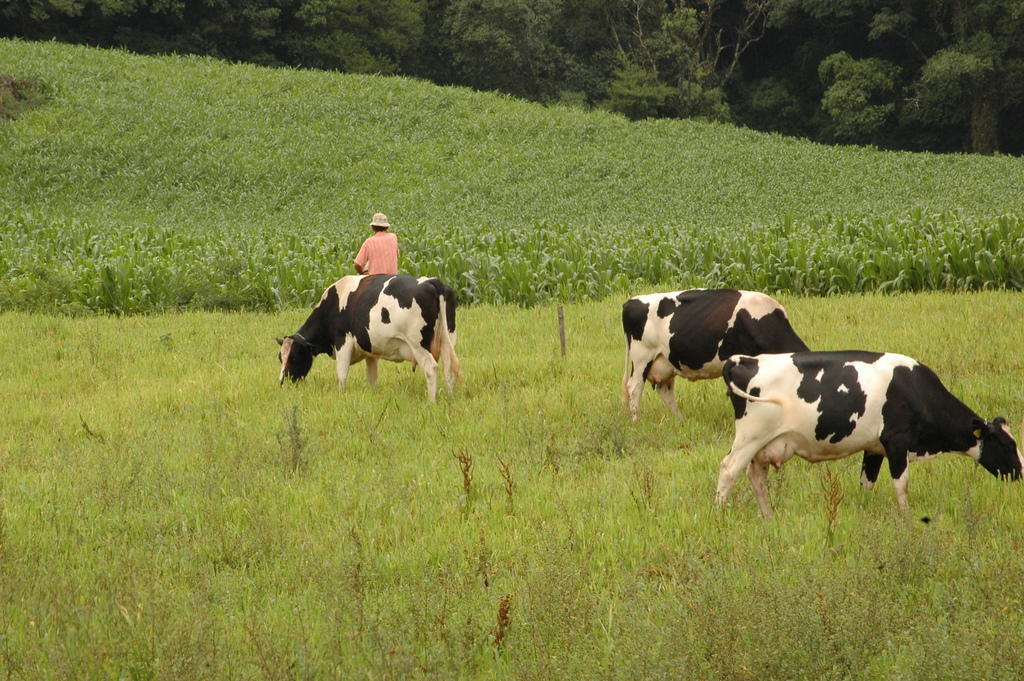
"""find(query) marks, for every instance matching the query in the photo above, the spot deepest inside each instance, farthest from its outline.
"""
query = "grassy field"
(152, 184)
(168, 512)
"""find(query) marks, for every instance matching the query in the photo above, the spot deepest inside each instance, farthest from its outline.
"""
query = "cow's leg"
(633, 390)
(900, 483)
(456, 369)
(757, 472)
(668, 396)
(429, 365)
(451, 359)
(452, 373)
(371, 371)
(343, 358)
(899, 470)
(658, 370)
(869, 470)
(736, 461)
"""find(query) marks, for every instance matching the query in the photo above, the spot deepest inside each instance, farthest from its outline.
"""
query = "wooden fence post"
(561, 328)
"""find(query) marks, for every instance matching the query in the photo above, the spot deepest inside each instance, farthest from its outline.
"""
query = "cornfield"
(75, 267)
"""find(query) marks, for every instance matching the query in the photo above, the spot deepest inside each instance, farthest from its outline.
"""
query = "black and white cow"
(827, 405)
(692, 333)
(382, 316)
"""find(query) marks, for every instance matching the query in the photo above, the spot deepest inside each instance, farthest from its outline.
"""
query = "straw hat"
(380, 220)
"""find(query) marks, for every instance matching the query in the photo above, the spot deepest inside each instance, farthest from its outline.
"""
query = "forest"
(915, 75)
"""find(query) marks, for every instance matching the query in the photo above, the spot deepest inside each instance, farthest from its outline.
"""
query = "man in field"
(379, 253)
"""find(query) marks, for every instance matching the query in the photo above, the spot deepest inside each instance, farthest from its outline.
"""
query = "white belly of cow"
(392, 349)
(783, 447)
(795, 434)
(392, 340)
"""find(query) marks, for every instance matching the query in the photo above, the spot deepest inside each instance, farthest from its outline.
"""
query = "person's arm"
(361, 260)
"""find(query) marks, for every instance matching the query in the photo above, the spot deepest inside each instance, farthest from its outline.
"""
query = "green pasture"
(149, 184)
(168, 512)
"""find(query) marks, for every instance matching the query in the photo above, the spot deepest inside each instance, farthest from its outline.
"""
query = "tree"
(962, 61)
(635, 89)
(352, 35)
(694, 48)
(504, 45)
(691, 67)
(347, 35)
(978, 74)
(636, 92)
(860, 95)
(728, 28)
(230, 29)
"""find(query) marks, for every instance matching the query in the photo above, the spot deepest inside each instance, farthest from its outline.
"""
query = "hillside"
(195, 148)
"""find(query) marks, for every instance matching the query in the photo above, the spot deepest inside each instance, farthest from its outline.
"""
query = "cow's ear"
(978, 426)
(280, 341)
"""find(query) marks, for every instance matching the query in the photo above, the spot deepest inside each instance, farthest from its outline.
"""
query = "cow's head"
(296, 357)
(999, 453)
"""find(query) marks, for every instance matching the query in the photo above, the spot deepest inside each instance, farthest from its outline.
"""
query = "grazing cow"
(827, 405)
(381, 316)
(692, 333)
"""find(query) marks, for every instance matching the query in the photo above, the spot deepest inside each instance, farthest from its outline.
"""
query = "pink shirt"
(379, 254)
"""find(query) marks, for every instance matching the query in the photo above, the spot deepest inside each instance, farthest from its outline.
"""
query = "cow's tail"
(738, 392)
(625, 374)
(446, 331)
(731, 365)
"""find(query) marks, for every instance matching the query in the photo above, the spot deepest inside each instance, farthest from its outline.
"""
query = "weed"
(293, 442)
(356, 575)
(971, 519)
(504, 621)
(643, 492)
(505, 469)
(380, 419)
(465, 460)
(268, 655)
(92, 434)
(483, 559)
(605, 439)
(832, 495)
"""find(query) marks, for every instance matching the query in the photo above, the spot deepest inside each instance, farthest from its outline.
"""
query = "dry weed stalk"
(505, 468)
(484, 560)
(643, 497)
(833, 496)
(465, 460)
(504, 620)
(293, 442)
